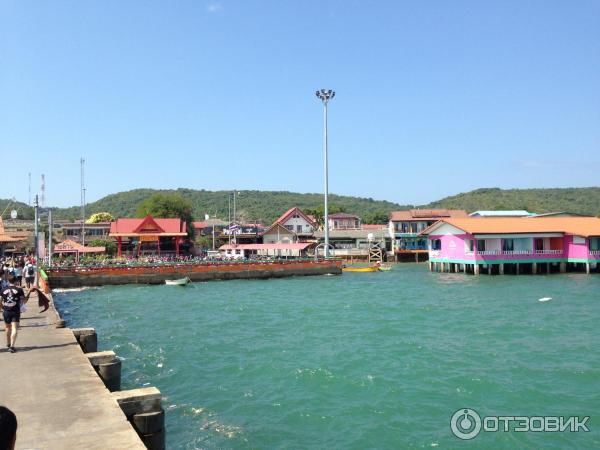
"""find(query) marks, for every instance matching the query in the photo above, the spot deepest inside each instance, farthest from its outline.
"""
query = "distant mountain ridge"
(266, 206)
(574, 200)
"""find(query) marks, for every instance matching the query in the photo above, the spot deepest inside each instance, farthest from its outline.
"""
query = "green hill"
(575, 200)
(23, 211)
(266, 206)
(263, 206)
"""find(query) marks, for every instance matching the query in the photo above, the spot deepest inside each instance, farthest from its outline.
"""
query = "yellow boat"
(360, 269)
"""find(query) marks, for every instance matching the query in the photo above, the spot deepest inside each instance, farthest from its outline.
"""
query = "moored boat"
(360, 269)
(178, 282)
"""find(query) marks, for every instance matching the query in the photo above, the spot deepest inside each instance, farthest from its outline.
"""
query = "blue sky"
(433, 97)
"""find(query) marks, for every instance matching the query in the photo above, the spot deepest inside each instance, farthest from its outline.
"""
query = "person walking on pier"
(12, 298)
(29, 273)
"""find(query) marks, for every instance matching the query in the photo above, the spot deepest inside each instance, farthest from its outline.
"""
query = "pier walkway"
(59, 400)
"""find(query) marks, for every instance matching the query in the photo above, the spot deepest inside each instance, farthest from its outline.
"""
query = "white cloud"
(214, 7)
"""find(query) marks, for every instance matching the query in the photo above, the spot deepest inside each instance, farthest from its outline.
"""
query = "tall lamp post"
(325, 95)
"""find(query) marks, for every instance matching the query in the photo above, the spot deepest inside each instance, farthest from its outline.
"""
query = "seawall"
(99, 276)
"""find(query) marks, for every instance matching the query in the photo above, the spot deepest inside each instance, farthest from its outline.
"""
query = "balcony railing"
(519, 252)
(595, 252)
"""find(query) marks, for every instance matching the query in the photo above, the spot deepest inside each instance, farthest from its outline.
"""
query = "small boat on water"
(360, 269)
(385, 267)
(178, 282)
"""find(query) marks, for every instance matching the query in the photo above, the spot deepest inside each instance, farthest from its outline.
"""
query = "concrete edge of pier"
(66, 394)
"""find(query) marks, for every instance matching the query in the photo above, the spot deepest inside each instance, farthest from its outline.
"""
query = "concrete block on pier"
(149, 423)
(138, 401)
(143, 409)
(97, 358)
(111, 375)
(108, 367)
(154, 441)
(87, 339)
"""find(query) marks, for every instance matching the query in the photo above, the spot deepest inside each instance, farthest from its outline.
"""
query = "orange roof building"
(4, 237)
(558, 243)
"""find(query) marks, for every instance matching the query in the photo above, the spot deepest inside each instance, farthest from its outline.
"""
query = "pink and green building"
(514, 245)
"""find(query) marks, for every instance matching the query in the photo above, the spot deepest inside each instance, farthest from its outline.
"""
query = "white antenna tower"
(82, 201)
(43, 189)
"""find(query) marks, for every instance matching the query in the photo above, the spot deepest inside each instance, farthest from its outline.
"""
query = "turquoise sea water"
(374, 360)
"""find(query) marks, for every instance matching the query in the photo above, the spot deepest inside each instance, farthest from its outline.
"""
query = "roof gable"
(149, 225)
(278, 228)
(290, 213)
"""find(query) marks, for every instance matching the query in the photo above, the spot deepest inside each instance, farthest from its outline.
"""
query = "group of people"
(21, 269)
(12, 296)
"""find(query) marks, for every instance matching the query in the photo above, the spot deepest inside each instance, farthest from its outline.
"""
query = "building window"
(508, 245)
(594, 244)
(469, 245)
(436, 244)
(289, 227)
(299, 228)
(480, 245)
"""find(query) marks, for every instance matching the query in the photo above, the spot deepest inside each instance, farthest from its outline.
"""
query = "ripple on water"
(356, 361)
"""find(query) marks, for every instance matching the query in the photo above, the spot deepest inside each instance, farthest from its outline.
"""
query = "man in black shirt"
(11, 299)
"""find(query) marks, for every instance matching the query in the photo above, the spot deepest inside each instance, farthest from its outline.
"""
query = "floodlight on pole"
(325, 95)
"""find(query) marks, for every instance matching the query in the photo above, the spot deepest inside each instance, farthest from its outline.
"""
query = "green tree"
(204, 242)
(101, 217)
(319, 212)
(168, 206)
(379, 218)
(111, 246)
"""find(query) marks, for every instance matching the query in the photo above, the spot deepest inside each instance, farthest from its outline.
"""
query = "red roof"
(427, 214)
(375, 226)
(290, 212)
(148, 225)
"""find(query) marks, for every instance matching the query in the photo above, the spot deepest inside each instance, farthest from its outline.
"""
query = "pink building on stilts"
(514, 245)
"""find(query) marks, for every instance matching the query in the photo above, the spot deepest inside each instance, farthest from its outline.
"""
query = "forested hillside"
(262, 206)
(266, 206)
(575, 200)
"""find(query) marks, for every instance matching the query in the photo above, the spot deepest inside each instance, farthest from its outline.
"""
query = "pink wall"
(579, 251)
(453, 248)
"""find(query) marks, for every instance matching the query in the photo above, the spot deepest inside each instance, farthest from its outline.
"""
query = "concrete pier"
(58, 398)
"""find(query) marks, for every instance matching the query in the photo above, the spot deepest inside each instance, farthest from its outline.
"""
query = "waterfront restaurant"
(514, 245)
(148, 235)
